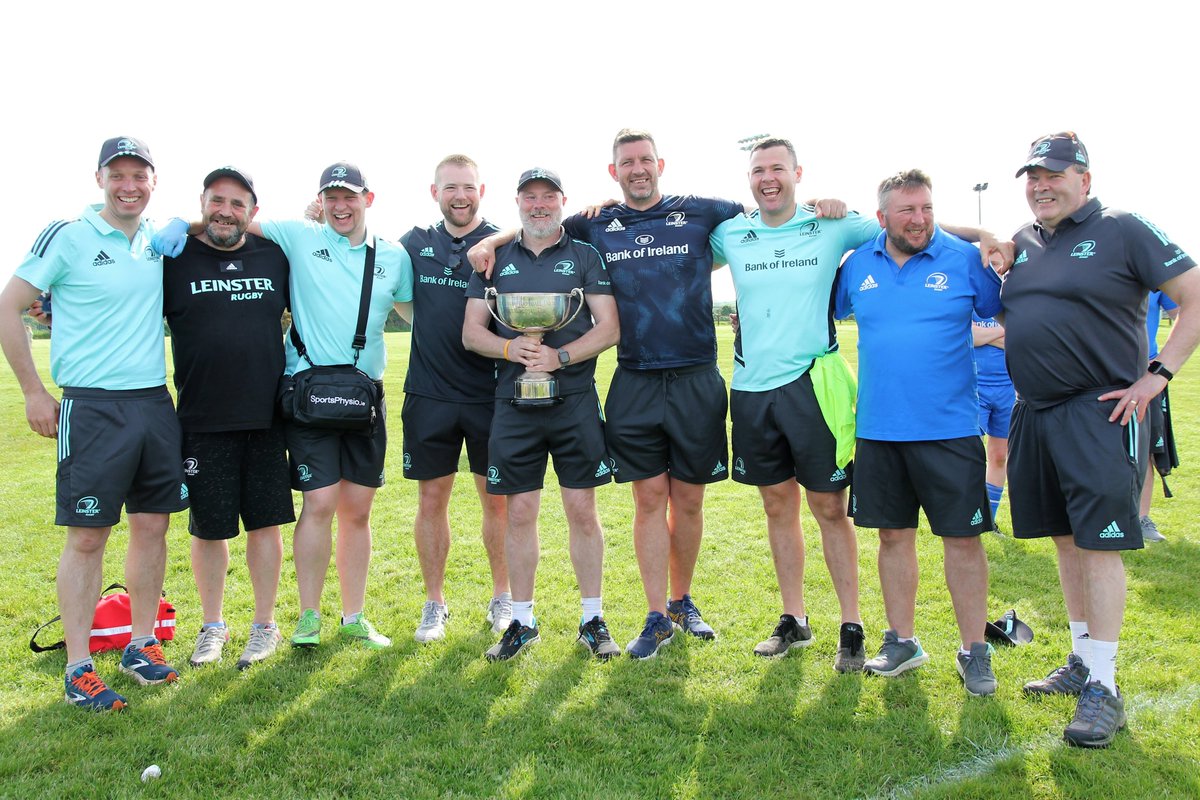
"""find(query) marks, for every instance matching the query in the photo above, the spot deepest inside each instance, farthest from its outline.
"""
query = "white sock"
(592, 607)
(523, 612)
(1080, 642)
(74, 665)
(1104, 664)
(350, 619)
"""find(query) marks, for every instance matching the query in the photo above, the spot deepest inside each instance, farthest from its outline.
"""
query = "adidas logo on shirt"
(868, 283)
(749, 237)
(427, 252)
(977, 519)
(614, 226)
(323, 254)
(839, 475)
(1112, 531)
(602, 470)
(103, 260)
(719, 469)
(511, 269)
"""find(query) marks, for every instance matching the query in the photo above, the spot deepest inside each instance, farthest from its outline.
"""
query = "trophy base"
(535, 392)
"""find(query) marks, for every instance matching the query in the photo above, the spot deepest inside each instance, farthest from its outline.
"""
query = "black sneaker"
(851, 652)
(594, 635)
(1099, 714)
(516, 637)
(788, 633)
(1067, 679)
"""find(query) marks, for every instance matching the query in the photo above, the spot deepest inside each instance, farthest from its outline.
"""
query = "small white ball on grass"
(151, 772)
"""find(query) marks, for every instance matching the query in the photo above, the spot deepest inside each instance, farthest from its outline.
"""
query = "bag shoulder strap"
(61, 643)
(364, 311)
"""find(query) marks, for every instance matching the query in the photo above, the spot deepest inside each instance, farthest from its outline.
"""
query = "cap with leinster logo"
(124, 146)
(343, 175)
(1056, 152)
(539, 174)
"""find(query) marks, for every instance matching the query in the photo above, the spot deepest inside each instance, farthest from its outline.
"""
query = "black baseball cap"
(1056, 152)
(232, 172)
(343, 175)
(124, 146)
(539, 174)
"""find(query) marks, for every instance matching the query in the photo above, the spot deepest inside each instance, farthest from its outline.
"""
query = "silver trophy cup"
(534, 314)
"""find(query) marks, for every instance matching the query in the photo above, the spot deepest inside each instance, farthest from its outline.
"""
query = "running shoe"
(975, 669)
(308, 630)
(1067, 679)
(433, 622)
(852, 651)
(686, 617)
(87, 691)
(1099, 714)
(147, 664)
(788, 633)
(499, 612)
(264, 639)
(515, 639)
(896, 657)
(364, 632)
(1150, 532)
(658, 631)
(209, 644)
(594, 635)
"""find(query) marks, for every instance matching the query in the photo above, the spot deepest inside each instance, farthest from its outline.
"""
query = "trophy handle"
(489, 293)
(576, 293)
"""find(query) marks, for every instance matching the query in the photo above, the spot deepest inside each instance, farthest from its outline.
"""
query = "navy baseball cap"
(124, 146)
(539, 174)
(1056, 152)
(232, 172)
(343, 175)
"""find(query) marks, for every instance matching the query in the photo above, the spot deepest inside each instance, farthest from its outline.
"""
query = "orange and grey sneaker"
(86, 690)
(147, 664)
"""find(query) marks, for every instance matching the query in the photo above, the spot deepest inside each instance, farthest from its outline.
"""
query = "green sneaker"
(363, 631)
(308, 630)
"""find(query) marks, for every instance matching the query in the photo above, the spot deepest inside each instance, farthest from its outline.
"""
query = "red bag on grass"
(112, 627)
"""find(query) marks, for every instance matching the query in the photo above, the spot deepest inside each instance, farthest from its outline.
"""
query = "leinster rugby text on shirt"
(239, 289)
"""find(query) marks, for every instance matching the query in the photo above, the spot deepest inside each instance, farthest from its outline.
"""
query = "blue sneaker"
(147, 664)
(86, 690)
(658, 632)
(686, 617)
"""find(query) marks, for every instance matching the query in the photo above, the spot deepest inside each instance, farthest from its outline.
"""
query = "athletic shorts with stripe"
(893, 481)
(572, 432)
(668, 420)
(780, 434)
(434, 434)
(995, 409)
(237, 474)
(1072, 472)
(319, 457)
(117, 448)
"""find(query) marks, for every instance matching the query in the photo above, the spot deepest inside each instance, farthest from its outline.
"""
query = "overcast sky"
(863, 89)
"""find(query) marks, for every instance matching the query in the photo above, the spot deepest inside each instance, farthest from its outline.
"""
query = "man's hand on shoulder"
(171, 238)
(829, 208)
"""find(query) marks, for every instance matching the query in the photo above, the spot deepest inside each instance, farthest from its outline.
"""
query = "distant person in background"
(996, 399)
(1163, 456)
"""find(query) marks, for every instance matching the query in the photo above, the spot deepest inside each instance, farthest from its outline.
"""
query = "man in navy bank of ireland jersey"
(996, 399)
(544, 258)
(912, 292)
(665, 410)
(223, 297)
(449, 394)
(118, 436)
(1075, 330)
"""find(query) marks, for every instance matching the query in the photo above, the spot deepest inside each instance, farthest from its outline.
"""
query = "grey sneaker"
(594, 635)
(895, 656)
(686, 617)
(851, 652)
(976, 670)
(1099, 714)
(262, 644)
(433, 622)
(788, 633)
(499, 612)
(209, 644)
(1150, 531)
(1067, 679)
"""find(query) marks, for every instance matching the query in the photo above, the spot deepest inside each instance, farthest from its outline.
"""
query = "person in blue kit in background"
(912, 293)
(996, 399)
(1162, 440)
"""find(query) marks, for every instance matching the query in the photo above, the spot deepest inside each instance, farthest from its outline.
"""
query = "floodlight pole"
(979, 190)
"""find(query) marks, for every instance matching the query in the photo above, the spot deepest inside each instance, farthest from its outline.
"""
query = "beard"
(541, 227)
(228, 240)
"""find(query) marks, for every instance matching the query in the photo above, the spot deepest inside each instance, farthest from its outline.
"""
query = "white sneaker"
(209, 644)
(433, 622)
(262, 644)
(1150, 531)
(499, 612)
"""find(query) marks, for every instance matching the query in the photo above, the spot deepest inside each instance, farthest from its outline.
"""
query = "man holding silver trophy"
(556, 312)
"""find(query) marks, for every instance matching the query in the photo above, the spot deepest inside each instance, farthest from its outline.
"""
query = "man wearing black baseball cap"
(1075, 307)
(118, 437)
(223, 299)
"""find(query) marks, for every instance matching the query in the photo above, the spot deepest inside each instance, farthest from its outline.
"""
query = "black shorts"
(894, 480)
(1072, 472)
(780, 434)
(434, 432)
(571, 431)
(117, 448)
(318, 457)
(232, 474)
(668, 420)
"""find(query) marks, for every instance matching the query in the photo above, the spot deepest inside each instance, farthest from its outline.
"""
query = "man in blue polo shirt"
(118, 437)
(1163, 456)
(996, 399)
(912, 293)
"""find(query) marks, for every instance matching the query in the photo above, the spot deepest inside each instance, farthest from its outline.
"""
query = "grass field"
(703, 720)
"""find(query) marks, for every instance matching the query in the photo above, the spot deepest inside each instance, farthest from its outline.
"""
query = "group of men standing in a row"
(644, 267)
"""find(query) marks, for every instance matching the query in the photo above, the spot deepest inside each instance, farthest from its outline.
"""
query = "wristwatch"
(1155, 368)
(564, 358)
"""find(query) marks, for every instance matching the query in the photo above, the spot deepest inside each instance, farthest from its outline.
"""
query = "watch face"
(564, 357)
